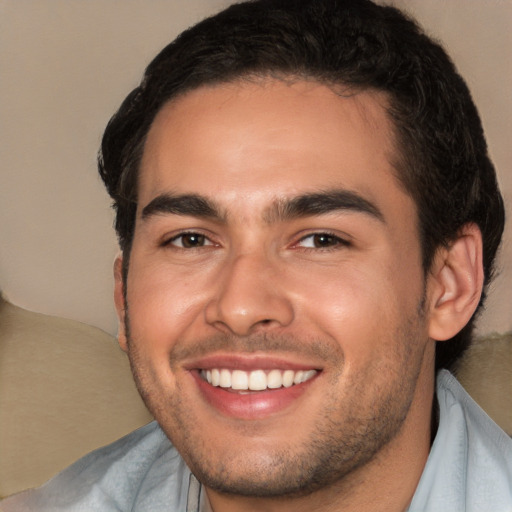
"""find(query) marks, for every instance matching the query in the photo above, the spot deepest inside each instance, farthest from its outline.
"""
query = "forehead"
(269, 139)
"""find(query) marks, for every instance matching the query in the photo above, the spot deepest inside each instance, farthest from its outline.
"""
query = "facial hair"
(350, 432)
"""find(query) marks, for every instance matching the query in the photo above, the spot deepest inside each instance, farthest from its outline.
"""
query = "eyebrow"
(322, 203)
(304, 205)
(186, 204)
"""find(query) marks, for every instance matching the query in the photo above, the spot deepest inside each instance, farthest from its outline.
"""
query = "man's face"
(275, 290)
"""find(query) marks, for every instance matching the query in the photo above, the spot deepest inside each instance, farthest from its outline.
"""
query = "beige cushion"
(486, 372)
(65, 389)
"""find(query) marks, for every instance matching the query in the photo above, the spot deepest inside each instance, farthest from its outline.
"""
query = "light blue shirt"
(470, 464)
(469, 469)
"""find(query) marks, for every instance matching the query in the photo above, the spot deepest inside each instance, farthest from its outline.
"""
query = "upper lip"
(249, 362)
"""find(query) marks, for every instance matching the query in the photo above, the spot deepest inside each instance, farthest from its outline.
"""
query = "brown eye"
(189, 241)
(322, 241)
(325, 240)
(192, 240)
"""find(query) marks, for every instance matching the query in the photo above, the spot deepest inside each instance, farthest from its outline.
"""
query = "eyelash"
(337, 242)
(198, 235)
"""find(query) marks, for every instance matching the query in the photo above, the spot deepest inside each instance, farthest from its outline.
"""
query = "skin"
(254, 284)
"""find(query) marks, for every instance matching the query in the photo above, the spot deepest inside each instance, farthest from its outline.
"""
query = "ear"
(120, 302)
(455, 284)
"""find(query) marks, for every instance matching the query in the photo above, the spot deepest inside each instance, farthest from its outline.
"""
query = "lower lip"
(251, 405)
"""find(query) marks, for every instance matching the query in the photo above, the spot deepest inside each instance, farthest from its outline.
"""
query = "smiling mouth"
(256, 380)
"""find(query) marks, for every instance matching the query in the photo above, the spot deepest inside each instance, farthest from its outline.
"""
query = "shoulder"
(482, 433)
(470, 464)
(115, 477)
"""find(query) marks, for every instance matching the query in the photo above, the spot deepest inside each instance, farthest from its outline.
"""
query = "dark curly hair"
(441, 158)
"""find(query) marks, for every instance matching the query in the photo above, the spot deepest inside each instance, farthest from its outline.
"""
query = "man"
(308, 217)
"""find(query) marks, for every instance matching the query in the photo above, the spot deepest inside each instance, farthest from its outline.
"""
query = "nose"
(249, 298)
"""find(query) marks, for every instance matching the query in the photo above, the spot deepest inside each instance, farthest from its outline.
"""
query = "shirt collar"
(197, 499)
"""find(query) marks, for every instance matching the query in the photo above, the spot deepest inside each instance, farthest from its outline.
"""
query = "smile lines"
(256, 380)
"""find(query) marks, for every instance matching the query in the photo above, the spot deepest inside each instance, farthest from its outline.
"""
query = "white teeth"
(297, 379)
(288, 377)
(274, 379)
(225, 379)
(308, 375)
(256, 380)
(239, 380)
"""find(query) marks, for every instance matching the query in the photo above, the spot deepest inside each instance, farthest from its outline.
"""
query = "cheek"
(163, 303)
(363, 308)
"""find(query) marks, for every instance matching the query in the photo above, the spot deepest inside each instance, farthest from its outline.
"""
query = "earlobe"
(455, 284)
(119, 301)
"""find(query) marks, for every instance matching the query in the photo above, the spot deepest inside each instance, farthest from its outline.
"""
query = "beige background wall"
(65, 65)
